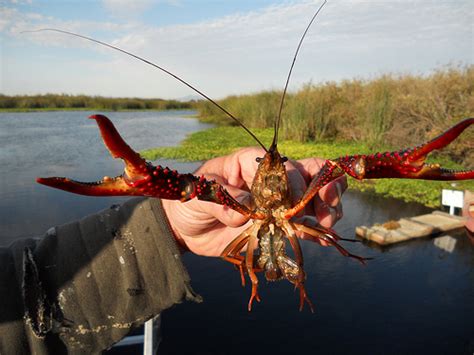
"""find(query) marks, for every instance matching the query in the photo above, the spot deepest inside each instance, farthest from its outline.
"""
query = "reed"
(390, 110)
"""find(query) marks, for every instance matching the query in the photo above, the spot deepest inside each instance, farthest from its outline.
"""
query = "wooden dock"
(410, 228)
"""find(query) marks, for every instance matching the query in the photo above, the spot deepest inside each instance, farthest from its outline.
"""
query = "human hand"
(206, 228)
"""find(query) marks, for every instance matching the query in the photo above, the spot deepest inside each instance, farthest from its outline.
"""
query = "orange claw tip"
(52, 181)
(41, 180)
(98, 117)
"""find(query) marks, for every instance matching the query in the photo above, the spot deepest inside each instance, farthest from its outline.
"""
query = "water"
(413, 298)
(68, 144)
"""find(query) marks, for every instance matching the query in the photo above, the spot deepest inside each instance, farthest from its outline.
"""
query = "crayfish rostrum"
(271, 208)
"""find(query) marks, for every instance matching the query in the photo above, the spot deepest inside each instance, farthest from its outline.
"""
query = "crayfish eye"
(258, 159)
(284, 159)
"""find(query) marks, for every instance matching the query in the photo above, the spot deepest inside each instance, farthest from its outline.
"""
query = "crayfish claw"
(304, 298)
(252, 297)
(135, 174)
(135, 165)
(106, 187)
(407, 163)
(421, 151)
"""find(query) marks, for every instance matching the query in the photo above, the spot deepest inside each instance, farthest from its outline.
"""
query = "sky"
(224, 47)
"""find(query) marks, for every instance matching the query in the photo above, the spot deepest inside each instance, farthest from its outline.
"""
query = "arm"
(87, 283)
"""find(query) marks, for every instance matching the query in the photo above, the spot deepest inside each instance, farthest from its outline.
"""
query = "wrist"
(168, 208)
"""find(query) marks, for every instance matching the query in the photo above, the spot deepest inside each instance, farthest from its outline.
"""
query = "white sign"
(452, 198)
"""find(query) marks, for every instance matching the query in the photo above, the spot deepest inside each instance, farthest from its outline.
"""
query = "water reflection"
(446, 243)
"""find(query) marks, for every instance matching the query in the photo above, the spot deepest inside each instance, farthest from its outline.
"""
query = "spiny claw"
(141, 178)
(407, 163)
(106, 187)
(442, 140)
(304, 298)
(135, 165)
(255, 296)
(138, 179)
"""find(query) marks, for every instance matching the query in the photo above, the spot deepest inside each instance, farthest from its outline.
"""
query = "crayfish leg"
(299, 282)
(330, 171)
(232, 251)
(249, 262)
(304, 298)
(328, 238)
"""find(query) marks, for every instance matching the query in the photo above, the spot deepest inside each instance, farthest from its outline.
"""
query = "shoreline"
(67, 109)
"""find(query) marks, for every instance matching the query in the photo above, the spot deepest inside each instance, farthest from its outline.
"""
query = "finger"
(328, 217)
(236, 169)
(243, 166)
(325, 214)
(332, 192)
(308, 168)
(339, 212)
(296, 180)
(224, 214)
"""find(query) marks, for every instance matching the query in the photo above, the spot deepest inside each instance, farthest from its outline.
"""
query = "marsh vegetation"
(388, 111)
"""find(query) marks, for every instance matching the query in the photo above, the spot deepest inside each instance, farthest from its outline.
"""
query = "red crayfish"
(271, 209)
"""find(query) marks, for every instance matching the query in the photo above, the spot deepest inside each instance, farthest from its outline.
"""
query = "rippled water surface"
(68, 144)
(414, 298)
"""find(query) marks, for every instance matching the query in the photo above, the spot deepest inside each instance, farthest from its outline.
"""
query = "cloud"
(252, 50)
(13, 24)
(18, 2)
(126, 8)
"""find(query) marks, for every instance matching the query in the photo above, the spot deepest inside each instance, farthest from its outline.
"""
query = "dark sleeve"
(84, 285)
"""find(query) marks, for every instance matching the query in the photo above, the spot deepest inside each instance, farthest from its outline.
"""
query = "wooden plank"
(410, 228)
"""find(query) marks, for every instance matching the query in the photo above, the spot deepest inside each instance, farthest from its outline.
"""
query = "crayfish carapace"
(272, 211)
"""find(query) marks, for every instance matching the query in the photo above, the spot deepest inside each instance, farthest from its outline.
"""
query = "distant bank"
(82, 102)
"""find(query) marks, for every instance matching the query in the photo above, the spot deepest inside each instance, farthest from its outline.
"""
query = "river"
(412, 298)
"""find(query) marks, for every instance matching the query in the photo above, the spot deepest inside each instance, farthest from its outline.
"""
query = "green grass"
(219, 141)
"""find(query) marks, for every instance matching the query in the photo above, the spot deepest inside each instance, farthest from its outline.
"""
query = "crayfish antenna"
(282, 100)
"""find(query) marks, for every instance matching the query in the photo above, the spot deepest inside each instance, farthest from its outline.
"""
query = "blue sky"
(224, 47)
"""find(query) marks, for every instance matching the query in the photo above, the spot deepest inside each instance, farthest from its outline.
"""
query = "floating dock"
(410, 228)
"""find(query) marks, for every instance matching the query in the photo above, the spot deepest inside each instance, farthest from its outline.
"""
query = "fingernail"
(243, 198)
(339, 211)
(339, 190)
